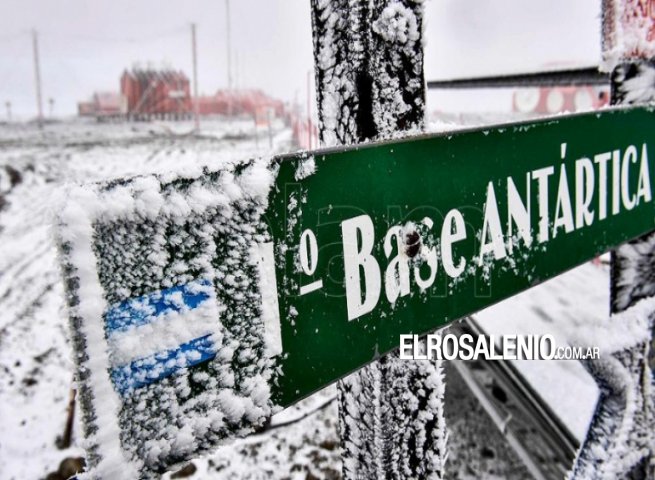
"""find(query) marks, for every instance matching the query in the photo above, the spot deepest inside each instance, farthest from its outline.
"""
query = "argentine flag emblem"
(153, 336)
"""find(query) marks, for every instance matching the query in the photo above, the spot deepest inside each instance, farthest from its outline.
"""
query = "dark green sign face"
(404, 237)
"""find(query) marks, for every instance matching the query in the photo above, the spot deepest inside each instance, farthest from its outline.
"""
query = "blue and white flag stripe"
(153, 336)
(138, 311)
(153, 368)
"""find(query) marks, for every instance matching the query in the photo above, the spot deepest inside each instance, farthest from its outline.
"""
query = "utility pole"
(229, 47)
(229, 57)
(269, 119)
(237, 84)
(384, 433)
(37, 77)
(196, 116)
(309, 110)
(51, 107)
(8, 107)
(242, 71)
(254, 117)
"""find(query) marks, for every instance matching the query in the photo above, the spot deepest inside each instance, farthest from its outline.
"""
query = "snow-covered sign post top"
(201, 304)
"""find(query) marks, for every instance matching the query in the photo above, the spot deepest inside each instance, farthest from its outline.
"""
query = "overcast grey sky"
(85, 44)
(481, 37)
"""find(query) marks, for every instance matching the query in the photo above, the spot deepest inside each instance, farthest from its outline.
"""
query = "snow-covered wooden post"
(620, 442)
(370, 86)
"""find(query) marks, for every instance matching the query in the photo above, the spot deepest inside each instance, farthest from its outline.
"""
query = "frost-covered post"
(620, 442)
(370, 86)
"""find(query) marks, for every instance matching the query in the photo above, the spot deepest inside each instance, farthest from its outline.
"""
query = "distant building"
(103, 105)
(154, 93)
(150, 93)
(250, 102)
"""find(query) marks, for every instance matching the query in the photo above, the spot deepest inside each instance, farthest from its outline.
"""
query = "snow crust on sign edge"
(76, 228)
(79, 207)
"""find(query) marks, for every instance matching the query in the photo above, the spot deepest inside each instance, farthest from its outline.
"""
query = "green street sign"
(202, 303)
(408, 236)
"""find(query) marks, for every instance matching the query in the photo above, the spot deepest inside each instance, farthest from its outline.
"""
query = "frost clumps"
(634, 83)
(336, 80)
(392, 422)
(305, 168)
(397, 24)
(166, 315)
(396, 66)
(369, 70)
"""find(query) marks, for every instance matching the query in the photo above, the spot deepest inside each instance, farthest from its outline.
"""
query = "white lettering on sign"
(584, 192)
(356, 256)
(429, 255)
(630, 156)
(518, 213)
(308, 252)
(309, 260)
(541, 175)
(616, 181)
(643, 186)
(396, 278)
(453, 230)
(573, 210)
(491, 228)
(601, 160)
(563, 211)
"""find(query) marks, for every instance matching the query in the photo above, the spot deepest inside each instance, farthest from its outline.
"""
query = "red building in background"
(154, 93)
(250, 102)
(165, 94)
(103, 105)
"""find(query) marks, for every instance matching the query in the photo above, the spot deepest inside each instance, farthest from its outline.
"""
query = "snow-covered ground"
(35, 365)
(579, 297)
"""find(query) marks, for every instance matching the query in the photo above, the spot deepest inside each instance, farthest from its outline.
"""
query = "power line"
(229, 53)
(195, 77)
(570, 77)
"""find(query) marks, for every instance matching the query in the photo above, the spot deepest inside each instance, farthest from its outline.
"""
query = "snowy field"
(36, 378)
(578, 298)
